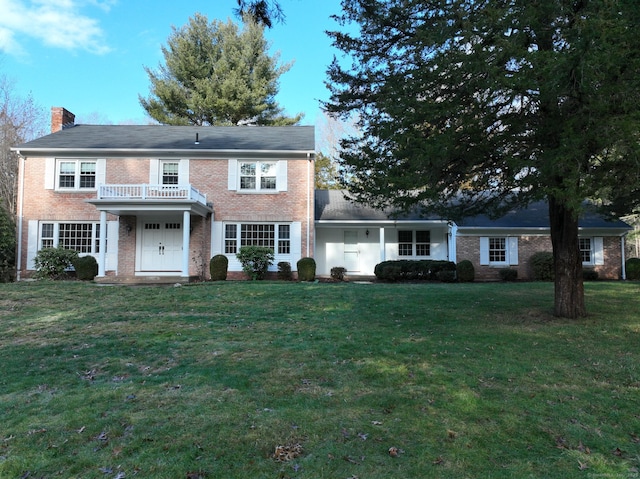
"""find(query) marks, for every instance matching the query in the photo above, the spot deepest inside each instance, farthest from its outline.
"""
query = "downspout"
(308, 203)
(622, 248)
(20, 213)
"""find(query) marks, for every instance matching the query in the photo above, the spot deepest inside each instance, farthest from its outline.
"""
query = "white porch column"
(453, 238)
(186, 227)
(383, 254)
(102, 256)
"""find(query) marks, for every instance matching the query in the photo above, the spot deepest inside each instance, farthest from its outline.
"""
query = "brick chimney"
(61, 119)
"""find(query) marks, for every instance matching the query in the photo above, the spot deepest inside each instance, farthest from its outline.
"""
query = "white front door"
(161, 245)
(351, 251)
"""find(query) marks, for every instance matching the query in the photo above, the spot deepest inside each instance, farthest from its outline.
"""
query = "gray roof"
(332, 205)
(174, 138)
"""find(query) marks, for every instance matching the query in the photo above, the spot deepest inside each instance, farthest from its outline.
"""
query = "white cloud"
(56, 23)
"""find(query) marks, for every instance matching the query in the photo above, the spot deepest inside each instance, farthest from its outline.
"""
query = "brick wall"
(468, 247)
(208, 176)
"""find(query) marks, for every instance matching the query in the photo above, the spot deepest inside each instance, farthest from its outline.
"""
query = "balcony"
(140, 198)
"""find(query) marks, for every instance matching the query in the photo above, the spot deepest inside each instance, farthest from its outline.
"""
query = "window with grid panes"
(497, 250)
(585, 250)
(81, 237)
(257, 175)
(76, 174)
(169, 173)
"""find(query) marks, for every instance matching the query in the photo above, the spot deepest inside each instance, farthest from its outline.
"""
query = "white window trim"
(95, 237)
(414, 244)
(511, 256)
(597, 251)
(233, 182)
(155, 170)
(99, 173)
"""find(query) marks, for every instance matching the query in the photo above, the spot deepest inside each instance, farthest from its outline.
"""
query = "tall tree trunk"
(569, 287)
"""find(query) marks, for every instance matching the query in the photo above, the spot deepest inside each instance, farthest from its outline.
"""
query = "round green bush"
(466, 271)
(218, 267)
(632, 266)
(306, 269)
(542, 266)
(86, 267)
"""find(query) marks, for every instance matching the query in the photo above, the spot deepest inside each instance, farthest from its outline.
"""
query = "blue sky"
(88, 55)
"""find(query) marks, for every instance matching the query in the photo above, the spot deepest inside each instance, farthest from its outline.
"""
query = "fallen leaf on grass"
(439, 461)
(617, 452)
(582, 466)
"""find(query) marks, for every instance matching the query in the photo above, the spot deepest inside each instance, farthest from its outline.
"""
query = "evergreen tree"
(215, 74)
(476, 106)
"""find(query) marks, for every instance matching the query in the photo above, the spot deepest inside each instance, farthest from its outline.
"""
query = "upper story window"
(258, 175)
(414, 243)
(170, 173)
(76, 174)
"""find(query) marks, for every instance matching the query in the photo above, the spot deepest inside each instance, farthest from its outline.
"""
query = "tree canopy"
(216, 74)
(263, 12)
(470, 106)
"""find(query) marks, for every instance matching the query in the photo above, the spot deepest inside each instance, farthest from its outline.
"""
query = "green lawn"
(205, 380)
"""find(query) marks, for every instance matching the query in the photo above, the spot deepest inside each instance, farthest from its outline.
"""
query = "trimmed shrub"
(542, 266)
(466, 271)
(306, 269)
(508, 274)
(255, 261)
(218, 267)
(86, 267)
(632, 266)
(54, 263)
(338, 272)
(590, 275)
(284, 271)
(447, 276)
(412, 270)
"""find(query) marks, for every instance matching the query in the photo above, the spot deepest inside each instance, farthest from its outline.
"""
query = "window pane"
(87, 175)
(247, 183)
(230, 239)
(585, 249)
(268, 183)
(257, 235)
(498, 250)
(47, 235)
(76, 236)
(405, 243)
(284, 239)
(67, 174)
(169, 173)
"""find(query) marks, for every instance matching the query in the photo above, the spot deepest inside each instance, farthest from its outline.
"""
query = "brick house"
(358, 238)
(153, 201)
(157, 202)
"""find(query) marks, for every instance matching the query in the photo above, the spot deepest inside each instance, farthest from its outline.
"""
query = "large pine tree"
(216, 74)
(476, 105)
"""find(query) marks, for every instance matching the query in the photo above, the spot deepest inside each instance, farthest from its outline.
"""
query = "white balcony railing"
(151, 192)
